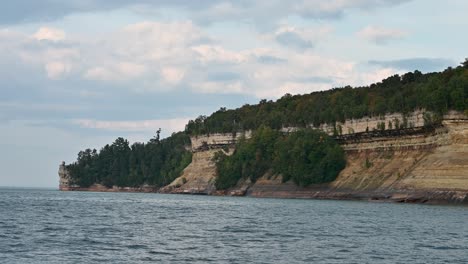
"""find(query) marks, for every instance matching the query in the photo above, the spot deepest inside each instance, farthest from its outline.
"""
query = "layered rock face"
(200, 174)
(417, 168)
(198, 177)
(423, 166)
(351, 126)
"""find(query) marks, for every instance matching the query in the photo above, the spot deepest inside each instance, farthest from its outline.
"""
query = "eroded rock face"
(198, 177)
(430, 166)
(64, 178)
(423, 168)
(217, 140)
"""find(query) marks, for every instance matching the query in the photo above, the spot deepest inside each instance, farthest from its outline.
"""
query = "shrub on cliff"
(306, 157)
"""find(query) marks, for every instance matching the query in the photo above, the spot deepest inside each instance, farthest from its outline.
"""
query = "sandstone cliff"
(419, 166)
(413, 165)
(200, 175)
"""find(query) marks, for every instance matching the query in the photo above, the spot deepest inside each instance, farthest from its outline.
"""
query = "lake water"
(48, 226)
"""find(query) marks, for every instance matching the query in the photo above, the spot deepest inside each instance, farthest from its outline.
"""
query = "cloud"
(118, 72)
(333, 9)
(291, 38)
(46, 51)
(52, 34)
(380, 35)
(411, 64)
(172, 75)
(300, 38)
(57, 69)
(234, 87)
(266, 59)
(223, 76)
(151, 54)
(259, 12)
(215, 53)
(171, 125)
(158, 57)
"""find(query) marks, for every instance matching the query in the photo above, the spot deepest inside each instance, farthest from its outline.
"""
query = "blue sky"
(77, 74)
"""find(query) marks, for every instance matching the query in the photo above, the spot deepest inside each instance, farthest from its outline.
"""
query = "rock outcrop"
(200, 174)
(429, 167)
(65, 182)
(417, 165)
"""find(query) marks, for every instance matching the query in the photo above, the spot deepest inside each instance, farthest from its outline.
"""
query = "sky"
(78, 74)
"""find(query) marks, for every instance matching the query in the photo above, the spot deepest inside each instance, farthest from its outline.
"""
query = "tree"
(305, 156)
(119, 164)
(465, 63)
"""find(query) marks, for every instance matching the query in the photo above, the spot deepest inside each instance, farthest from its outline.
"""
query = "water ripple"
(45, 226)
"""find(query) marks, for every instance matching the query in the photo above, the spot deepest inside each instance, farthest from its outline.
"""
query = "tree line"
(155, 163)
(435, 92)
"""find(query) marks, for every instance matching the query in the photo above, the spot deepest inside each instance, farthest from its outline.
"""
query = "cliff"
(415, 164)
(200, 175)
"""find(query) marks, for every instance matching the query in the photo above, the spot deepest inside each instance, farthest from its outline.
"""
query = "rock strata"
(429, 165)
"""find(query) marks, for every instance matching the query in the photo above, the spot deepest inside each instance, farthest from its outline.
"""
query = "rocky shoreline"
(438, 197)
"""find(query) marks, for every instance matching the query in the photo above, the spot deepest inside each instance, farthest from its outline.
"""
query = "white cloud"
(118, 72)
(99, 73)
(380, 35)
(152, 54)
(221, 87)
(154, 40)
(211, 53)
(154, 57)
(52, 34)
(171, 125)
(172, 75)
(57, 69)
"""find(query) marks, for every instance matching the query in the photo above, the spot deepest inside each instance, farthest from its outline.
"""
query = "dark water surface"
(48, 226)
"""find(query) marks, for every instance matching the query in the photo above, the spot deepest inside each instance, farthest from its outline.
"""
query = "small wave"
(49, 229)
(153, 252)
(344, 250)
(137, 246)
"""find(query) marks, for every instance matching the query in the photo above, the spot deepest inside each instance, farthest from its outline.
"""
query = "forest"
(305, 156)
(155, 163)
(435, 92)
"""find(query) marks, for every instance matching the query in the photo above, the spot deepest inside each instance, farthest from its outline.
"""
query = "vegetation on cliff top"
(305, 156)
(156, 163)
(436, 92)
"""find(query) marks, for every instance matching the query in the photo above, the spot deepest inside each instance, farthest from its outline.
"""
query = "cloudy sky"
(79, 73)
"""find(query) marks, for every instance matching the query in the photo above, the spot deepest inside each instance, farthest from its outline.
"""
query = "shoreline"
(439, 197)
